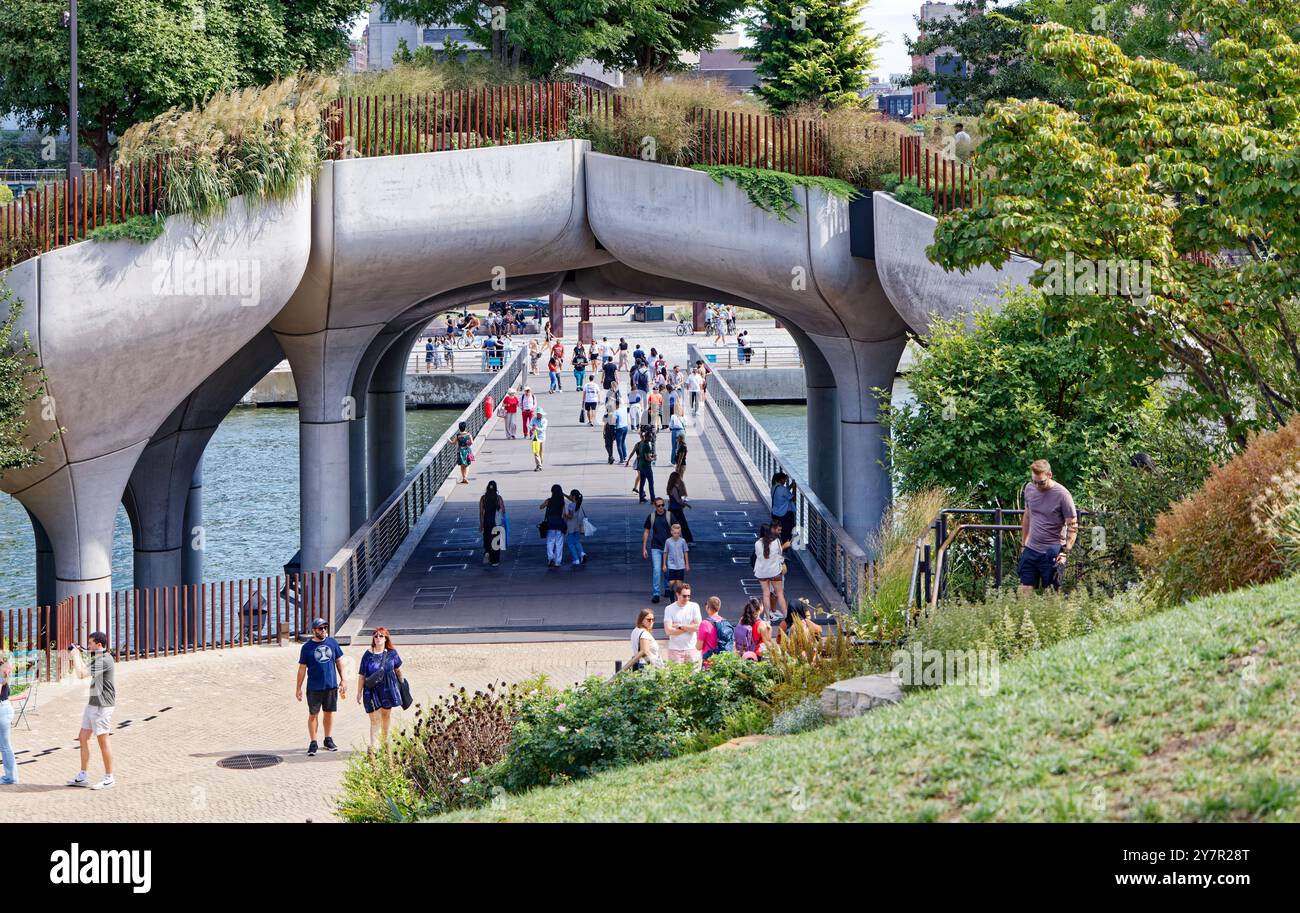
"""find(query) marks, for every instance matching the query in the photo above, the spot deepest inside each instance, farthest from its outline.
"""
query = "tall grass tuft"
(861, 146)
(257, 142)
(663, 112)
(893, 548)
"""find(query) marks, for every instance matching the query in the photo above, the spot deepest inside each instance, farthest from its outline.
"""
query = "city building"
(726, 66)
(895, 104)
(944, 60)
(359, 52)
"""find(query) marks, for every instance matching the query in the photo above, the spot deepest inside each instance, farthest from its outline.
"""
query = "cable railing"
(171, 620)
(755, 355)
(841, 559)
(360, 562)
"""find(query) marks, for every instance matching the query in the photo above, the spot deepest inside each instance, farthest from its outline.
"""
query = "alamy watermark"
(209, 277)
(1110, 278)
(917, 667)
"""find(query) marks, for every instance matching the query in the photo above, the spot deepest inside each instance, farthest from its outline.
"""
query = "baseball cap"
(319, 623)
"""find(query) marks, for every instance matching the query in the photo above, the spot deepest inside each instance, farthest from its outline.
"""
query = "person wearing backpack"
(717, 635)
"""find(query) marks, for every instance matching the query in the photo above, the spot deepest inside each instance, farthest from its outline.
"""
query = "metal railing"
(543, 111)
(952, 184)
(171, 620)
(932, 561)
(756, 355)
(841, 559)
(365, 556)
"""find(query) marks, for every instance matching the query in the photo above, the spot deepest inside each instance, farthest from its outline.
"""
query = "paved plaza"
(177, 717)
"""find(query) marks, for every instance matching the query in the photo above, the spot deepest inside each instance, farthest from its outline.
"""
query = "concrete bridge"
(147, 347)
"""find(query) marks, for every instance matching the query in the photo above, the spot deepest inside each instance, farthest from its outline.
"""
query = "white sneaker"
(79, 780)
(106, 783)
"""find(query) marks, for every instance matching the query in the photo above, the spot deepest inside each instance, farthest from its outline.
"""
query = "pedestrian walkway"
(445, 588)
(177, 717)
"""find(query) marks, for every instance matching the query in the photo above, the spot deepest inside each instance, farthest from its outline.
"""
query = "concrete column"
(327, 409)
(386, 420)
(557, 313)
(193, 541)
(358, 472)
(697, 315)
(860, 368)
(76, 506)
(44, 563)
(586, 333)
(823, 423)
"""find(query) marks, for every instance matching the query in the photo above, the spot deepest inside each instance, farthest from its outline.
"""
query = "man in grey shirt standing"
(1048, 528)
(98, 717)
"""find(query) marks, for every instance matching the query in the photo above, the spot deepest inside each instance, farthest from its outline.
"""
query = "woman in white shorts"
(768, 561)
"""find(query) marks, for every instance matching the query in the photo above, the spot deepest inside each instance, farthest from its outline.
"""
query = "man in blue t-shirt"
(320, 663)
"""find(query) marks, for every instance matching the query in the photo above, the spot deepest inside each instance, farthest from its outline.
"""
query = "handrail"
(363, 557)
(761, 356)
(171, 620)
(843, 560)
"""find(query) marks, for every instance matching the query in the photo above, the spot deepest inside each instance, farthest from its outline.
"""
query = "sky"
(891, 19)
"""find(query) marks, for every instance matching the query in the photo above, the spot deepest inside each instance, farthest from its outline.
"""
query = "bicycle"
(683, 328)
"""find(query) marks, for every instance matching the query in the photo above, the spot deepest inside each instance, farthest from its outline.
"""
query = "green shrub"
(1009, 625)
(909, 193)
(1210, 542)
(1127, 498)
(804, 716)
(753, 718)
(430, 766)
(1017, 386)
(773, 191)
(633, 717)
(142, 229)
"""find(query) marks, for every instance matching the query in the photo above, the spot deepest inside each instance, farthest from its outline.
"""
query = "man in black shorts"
(320, 662)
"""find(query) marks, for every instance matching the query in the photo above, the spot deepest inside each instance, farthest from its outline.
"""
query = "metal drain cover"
(249, 761)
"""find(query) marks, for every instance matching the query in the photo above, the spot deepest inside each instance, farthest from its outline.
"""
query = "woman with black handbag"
(380, 683)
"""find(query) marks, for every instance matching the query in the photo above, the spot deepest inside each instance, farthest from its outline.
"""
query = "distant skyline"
(891, 19)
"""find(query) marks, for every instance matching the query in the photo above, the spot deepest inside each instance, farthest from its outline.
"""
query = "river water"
(250, 502)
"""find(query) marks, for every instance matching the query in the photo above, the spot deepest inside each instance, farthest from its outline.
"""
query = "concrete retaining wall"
(775, 385)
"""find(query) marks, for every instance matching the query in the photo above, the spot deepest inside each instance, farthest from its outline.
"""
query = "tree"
(1192, 181)
(642, 36)
(137, 58)
(1017, 387)
(990, 41)
(660, 31)
(991, 49)
(809, 51)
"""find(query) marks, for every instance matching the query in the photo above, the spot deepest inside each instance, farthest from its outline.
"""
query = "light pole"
(74, 154)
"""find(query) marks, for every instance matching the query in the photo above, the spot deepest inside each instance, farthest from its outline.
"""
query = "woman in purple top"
(378, 682)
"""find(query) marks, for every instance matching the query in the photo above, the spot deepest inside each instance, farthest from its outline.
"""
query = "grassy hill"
(1189, 715)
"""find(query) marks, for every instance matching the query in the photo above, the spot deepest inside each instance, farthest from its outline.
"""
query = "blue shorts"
(1038, 568)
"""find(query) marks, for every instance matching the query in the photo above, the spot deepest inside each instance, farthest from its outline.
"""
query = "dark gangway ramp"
(444, 588)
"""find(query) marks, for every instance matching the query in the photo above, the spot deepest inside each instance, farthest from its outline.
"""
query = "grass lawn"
(1188, 715)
